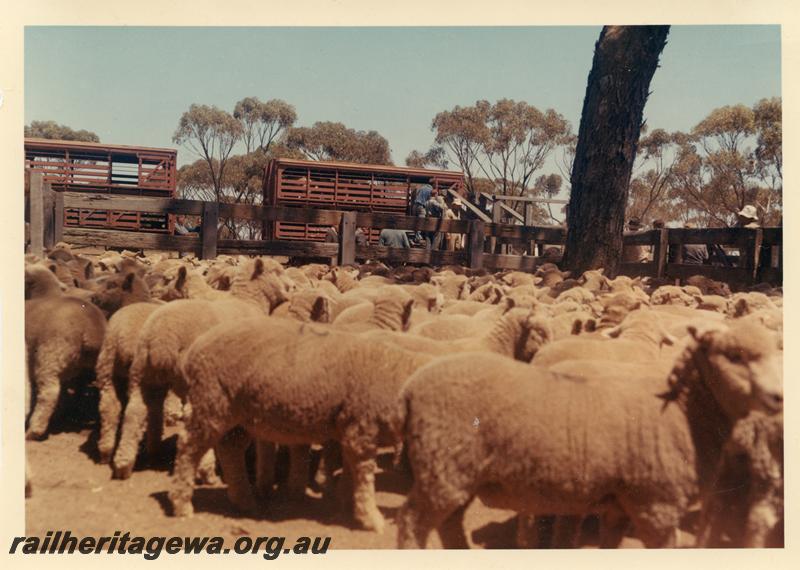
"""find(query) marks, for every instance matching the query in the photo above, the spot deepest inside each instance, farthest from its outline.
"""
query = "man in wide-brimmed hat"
(748, 217)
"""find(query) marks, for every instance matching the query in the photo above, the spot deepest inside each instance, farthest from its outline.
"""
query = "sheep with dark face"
(525, 438)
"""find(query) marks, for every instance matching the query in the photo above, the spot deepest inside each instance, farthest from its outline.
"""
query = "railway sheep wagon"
(75, 166)
(345, 186)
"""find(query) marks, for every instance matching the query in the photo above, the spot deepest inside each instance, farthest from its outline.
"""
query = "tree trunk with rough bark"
(625, 59)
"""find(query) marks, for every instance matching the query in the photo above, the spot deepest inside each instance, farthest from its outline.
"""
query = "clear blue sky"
(130, 85)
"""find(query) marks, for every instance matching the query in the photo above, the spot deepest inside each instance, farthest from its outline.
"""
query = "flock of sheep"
(637, 403)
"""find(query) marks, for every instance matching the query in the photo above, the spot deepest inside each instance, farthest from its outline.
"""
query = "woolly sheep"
(165, 335)
(391, 311)
(745, 303)
(292, 384)
(631, 340)
(452, 286)
(673, 295)
(307, 305)
(467, 424)
(63, 336)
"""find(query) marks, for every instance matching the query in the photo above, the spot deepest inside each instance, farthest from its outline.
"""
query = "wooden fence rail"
(760, 257)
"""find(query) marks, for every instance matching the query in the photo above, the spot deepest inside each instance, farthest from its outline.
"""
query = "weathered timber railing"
(483, 241)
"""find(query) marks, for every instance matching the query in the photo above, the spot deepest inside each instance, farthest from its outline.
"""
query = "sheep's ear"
(510, 304)
(181, 280)
(52, 267)
(612, 332)
(406, 316)
(75, 283)
(577, 326)
(88, 270)
(432, 304)
(590, 325)
(102, 265)
(700, 334)
(321, 311)
(224, 282)
(668, 339)
(498, 296)
(258, 269)
(127, 283)
(537, 280)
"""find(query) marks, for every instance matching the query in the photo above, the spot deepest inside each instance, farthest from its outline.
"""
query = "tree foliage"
(435, 157)
(507, 142)
(53, 130)
(263, 122)
(336, 142)
(731, 158)
(211, 133)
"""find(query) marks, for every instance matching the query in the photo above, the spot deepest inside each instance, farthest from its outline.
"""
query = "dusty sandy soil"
(71, 491)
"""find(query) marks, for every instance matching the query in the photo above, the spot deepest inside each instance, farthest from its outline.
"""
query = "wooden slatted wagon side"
(345, 186)
(75, 166)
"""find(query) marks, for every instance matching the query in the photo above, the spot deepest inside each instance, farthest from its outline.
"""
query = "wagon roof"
(449, 174)
(56, 144)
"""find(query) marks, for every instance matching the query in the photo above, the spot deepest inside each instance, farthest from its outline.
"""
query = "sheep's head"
(740, 365)
(535, 332)
(172, 285)
(490, 293)
(265, 282)
(393, 308)
(672, 295)
(311, 305)
(41, 281)
(643, 328)
(745, 303)
(116, 291)
(594, 280)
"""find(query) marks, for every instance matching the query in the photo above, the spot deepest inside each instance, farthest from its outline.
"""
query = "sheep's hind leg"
(418, 517)
(298, 471)
(110, 407)
(193, 443)
(362, 465)
(133, 425)
(566, 532)
(154, 400)
(50, 369)
(231, 453)
(451, 531)
(265, 468)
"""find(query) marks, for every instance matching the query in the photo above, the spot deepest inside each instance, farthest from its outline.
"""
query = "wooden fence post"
(497, 218)
(37, 213)
(347, 239)
(208, 230)
(58, 217)
(48, 206)
(476, 238)
(660, 252)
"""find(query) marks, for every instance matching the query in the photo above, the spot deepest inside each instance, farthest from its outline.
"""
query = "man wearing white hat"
(748, 217)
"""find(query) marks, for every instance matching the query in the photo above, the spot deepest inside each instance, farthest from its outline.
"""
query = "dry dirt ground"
(71, 491)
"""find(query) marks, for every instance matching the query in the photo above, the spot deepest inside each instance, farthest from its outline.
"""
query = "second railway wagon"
(345, 186)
